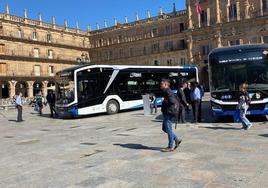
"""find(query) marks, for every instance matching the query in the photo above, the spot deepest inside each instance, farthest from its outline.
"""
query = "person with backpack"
(39, 101)
(183, 102)
(170, 107)
(243, 105)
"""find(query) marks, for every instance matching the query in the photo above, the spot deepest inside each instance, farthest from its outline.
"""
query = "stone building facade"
(31, 51)
(182, 37)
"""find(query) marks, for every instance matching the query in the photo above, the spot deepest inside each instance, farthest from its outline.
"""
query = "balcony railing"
(24, 54)
(41, 24)
(45, 41)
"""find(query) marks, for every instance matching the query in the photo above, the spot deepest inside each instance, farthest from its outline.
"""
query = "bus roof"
(87, 66)
(240, 47)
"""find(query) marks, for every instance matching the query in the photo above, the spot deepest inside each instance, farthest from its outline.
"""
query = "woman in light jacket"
(243, 105)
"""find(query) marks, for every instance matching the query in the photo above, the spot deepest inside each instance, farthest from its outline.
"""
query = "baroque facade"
(31, 51)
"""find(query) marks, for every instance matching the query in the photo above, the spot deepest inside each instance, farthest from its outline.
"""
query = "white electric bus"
(231, 66)
(91, 89)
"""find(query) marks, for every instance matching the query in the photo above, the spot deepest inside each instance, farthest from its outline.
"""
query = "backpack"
(174, 110)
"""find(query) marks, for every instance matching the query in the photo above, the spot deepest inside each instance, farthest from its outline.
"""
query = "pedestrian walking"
(195, 98)
(187, 93)
(18, 104)
(202, 93)
(153, 103)
(170, 104)
(39, 101)
(243, 105)
(183, 102)
(51, 100)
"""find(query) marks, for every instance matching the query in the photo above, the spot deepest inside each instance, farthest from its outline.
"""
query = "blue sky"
(89, 11)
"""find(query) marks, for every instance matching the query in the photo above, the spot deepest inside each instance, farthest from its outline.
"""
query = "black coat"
(51, 98)
(168, 102)
(181, 96)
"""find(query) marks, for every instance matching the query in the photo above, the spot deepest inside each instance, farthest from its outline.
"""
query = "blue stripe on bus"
(236, 113)
(73, 112)
(188, 67)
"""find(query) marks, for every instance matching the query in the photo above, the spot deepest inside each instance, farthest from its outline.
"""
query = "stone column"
(261, 8)
(44, 88)
(190, 48)
(219, 42)
(238, 10)
(190, 14)
(30, 89)
(247, 9)
(262, 40)
(199, 20)
(227, 11)
(12, 89)
(218, 11)
(208, 16)
(241, 41)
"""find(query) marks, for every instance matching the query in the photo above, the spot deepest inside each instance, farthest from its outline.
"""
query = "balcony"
(23, 55)
(43, 41)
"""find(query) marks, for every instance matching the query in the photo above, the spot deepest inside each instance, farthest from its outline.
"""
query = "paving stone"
(105, 151)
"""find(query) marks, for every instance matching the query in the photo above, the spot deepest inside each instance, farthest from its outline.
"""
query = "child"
(153, 104)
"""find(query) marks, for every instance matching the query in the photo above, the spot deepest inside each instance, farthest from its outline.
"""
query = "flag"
(198, 7)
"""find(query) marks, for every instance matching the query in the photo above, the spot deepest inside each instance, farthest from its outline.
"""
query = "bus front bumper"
(67, 111)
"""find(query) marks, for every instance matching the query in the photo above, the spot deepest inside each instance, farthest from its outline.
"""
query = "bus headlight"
(216, 107)
(258, 95)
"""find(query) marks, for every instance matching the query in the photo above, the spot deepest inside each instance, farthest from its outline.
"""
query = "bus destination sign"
(238, 60)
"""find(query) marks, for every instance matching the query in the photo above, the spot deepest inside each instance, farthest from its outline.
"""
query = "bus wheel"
(112, 107)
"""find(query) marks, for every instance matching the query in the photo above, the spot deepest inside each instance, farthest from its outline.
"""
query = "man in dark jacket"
(51, 99)
(183, 102)
(168, 101)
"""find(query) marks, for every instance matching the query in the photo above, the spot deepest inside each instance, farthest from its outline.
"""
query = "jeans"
(245, 122)
(167, 128)
(52, 109)
(153, 108)
(19, 117)
(182, 114)
(196, 114)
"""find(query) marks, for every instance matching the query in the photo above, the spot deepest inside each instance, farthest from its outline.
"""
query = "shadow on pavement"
(222, 128)
(12, 120)
(264, 135)
(137, 147)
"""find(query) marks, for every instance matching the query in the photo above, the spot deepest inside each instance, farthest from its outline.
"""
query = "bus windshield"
(228, 76)
(65, 88)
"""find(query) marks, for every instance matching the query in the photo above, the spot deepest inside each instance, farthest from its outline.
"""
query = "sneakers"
(167, 149)
(177, 143)
(248, 127)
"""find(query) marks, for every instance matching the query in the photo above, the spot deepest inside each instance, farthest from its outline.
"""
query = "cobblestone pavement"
(123, 151)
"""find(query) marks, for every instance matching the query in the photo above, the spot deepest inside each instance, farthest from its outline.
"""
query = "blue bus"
(231, 66)
(91, 89)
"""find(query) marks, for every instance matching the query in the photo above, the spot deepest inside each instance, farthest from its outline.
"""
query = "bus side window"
(152, 85)
(133, 87)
